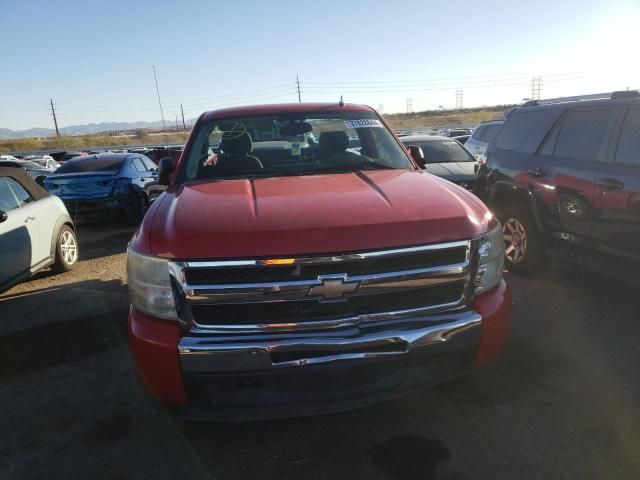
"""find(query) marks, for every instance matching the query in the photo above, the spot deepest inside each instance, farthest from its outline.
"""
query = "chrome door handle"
(537, 172)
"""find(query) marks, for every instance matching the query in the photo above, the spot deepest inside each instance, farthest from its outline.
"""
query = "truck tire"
(523, 241)
(67, 250)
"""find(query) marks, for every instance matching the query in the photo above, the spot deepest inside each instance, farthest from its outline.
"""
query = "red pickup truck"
(301, 262)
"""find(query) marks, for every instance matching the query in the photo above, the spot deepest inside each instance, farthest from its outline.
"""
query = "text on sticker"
(364, 123)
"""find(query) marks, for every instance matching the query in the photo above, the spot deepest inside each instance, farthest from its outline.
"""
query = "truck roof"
(276, 108)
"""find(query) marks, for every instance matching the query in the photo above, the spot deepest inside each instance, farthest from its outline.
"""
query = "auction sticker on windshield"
(364, 123)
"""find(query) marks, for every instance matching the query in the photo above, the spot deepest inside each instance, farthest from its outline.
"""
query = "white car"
(45, 161)
(35, 229)
(482, 136)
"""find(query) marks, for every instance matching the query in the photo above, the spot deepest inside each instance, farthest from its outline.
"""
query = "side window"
(581, 134)
(517, 127)
(138, 165)
(629, 144)
(148, 163)
(12, 194)
(492, 131)
(479, 132)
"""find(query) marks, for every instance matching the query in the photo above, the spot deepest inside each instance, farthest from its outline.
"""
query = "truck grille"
(275, 273)
(322, 292)
(303, 311)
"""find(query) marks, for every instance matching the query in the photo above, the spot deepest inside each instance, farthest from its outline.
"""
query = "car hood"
(453, 171)
(308, 214)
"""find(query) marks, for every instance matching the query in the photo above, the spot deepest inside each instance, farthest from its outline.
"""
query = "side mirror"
(3, 216)
(417, 154)
(165, 170)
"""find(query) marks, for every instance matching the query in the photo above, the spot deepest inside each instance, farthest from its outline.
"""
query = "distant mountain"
(83, 129)
(32, 132)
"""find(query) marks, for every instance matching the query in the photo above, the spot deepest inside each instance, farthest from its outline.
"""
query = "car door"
(19, 235)
(562, 173)
(618, 190)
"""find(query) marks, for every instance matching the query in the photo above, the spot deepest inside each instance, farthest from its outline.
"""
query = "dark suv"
(564, 178)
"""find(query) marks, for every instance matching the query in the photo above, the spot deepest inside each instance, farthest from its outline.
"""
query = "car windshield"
(445, 151)
(293, 144)
(92, 164)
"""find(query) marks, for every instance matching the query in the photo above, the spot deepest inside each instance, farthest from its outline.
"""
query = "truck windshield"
(292, 144)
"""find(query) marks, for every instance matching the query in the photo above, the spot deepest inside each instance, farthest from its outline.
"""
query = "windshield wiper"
(367, 165)
(258, 173)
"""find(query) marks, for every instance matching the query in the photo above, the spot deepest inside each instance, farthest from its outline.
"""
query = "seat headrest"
(333, 142)
(233, 143)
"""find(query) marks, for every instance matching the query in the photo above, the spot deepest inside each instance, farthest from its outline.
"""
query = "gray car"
(446, 158)
(36, 171)
(482, 136)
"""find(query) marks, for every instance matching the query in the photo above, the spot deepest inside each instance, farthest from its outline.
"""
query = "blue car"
(105, 183)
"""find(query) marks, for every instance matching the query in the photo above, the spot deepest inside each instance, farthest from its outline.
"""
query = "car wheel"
(67, 250)
(523, 241)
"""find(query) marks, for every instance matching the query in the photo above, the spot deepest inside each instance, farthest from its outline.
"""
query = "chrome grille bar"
(334, 288)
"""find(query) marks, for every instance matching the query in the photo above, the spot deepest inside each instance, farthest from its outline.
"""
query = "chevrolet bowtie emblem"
(333, 288)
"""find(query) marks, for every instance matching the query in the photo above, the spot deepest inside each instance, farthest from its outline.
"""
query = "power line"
(488, 77)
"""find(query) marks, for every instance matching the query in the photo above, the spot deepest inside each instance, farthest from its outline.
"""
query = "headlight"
(491, 262)
(150, 285)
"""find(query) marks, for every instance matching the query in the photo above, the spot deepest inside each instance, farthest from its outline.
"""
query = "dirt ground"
(560, 403)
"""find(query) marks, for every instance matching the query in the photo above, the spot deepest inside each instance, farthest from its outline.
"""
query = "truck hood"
(304, 215)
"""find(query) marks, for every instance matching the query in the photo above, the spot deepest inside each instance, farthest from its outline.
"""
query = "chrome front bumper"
(449, 332)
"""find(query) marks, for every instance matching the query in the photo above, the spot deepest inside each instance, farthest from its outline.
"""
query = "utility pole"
(409, 105)
(55, 120)
(459, 98)
(298, 85)
(176, 122)
(184, 127)
(164, 127)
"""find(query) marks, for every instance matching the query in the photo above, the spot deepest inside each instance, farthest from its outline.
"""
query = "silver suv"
(35, 229)
(482, 136)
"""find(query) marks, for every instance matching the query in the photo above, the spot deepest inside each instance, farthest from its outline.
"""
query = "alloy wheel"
(68, 248)
(515, 240)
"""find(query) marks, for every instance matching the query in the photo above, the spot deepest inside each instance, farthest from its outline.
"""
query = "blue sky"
(95, 58)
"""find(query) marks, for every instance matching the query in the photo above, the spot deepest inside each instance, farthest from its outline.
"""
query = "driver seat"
(236, 158)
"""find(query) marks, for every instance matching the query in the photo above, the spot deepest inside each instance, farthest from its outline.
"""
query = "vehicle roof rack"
(618, 95)
(623, 94)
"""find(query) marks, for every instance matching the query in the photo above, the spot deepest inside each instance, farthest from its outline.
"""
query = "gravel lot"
(561, 402)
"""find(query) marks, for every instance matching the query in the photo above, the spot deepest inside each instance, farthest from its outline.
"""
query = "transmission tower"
(536, 88)
(459, 97)
(409, 105)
